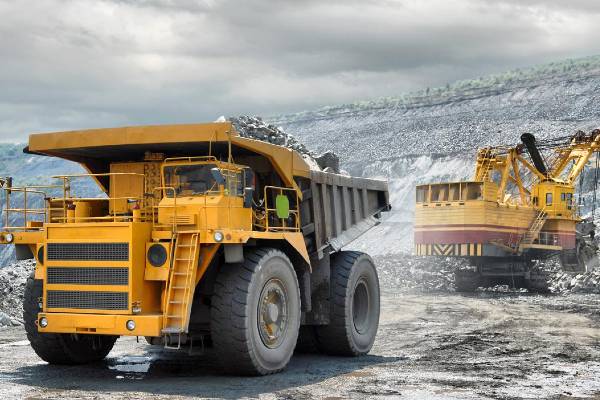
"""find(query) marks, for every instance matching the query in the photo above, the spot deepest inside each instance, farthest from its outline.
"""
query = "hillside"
(547, 100)
(426, 136)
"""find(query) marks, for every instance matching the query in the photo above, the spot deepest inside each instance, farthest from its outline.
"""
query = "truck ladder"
(181, 287)
(534, 230)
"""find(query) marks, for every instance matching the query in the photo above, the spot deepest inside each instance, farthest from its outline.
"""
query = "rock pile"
(411, 273)
(12, 288)
(564, 282)
(255, 128)
(425, 274)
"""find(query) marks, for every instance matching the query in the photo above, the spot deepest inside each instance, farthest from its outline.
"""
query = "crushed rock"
(432, 274)
(12, 289)
(565, 282)
(254, 127)
(413, 273)
(503, 289)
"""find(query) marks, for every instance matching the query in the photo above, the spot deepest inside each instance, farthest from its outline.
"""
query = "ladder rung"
(174, 316)
(176, 302)
(178, 287)
(185, 245)
(180, 273)
(172, 330)
(183, 259)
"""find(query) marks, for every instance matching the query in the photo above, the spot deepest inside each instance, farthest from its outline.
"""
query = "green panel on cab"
(282, 205)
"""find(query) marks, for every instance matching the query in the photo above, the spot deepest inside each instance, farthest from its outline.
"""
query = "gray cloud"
(68, 64)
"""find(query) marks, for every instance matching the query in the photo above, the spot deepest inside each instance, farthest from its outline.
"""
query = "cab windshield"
(190, 180)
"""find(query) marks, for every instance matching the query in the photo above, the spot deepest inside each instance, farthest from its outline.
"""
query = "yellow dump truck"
(202, 238)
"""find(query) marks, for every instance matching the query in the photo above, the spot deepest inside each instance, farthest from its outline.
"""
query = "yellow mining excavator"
(519, 208)
(201, 239)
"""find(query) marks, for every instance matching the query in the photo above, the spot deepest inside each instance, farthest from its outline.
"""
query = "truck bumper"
(145, 325)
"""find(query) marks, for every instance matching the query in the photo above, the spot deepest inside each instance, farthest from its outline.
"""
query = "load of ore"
(256, 128)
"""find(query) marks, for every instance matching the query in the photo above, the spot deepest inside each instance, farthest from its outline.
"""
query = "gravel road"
(430, 345)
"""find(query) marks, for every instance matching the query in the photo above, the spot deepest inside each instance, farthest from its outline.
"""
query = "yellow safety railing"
(281, 224)
(56, 208)
(113, 215)
(26, 211)
(548, 238)
(190, 159)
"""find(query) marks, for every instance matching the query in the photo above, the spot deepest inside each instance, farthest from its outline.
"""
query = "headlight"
(43, 322)
(157, 255)
(218, 236)
(130, 325)
(9, 237)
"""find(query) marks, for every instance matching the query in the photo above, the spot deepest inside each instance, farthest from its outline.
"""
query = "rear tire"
(255, 313)
(60, 348)
(355, 302)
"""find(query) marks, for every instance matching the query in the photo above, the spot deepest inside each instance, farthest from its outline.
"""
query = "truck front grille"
(88, 276)
(87, 300)
(88, 251)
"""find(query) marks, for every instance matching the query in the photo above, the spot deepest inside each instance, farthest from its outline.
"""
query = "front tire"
(355, 298)
(255, 313)
(60, 348)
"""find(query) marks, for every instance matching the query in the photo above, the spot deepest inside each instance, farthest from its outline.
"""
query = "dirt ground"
(436, 346)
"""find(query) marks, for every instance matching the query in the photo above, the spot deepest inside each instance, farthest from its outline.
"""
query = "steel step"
(172, 330)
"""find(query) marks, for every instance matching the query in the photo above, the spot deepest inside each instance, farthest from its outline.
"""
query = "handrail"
(190, 159)
(295, 212)
(66, 199)
(25, 210)
(92, 175)
(548, 238)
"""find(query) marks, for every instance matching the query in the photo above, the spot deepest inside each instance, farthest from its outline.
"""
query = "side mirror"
(217, 176)
(248, 193)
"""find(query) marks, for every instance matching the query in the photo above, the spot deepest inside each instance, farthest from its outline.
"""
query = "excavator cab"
(554, 198)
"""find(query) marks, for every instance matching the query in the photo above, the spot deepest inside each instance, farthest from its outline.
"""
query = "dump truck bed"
(343, 207)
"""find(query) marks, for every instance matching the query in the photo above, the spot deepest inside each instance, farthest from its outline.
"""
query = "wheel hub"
(272, 313)
(361, 307)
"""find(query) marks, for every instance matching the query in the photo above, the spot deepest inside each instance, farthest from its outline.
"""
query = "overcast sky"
(83, 63)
